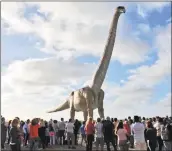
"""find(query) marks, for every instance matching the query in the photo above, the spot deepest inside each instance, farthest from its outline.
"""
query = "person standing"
(89, 129)
(3, 133)
(138, 133)
(158, 125)
(70, 134)
(8, 130)
(34, 136)
(115, 126)
(150, 136)
(15, 136)
(99, 134)
(122, 134)
(41, 133)
(52, 135)
(166, 135)
(108, 130)
(131, 134)
(26, 132)
(62, 131)
(47, 137)
(56, 129)
(83, 135)
(126, 126)
(76, 130)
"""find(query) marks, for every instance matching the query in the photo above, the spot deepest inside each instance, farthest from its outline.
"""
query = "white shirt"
(61, 125)
(25, 126)
(69, 127)
(55, 126)
(158, 127)
(138, 132)
(99, 130)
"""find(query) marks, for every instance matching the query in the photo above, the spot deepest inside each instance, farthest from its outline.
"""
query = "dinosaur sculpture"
(91, 97)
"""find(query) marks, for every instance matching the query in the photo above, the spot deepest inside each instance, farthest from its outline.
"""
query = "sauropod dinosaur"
(91, 97)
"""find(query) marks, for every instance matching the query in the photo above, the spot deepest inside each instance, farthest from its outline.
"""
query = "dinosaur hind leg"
(72, 110)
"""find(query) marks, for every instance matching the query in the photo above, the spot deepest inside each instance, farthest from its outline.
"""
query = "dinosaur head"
(120, 9)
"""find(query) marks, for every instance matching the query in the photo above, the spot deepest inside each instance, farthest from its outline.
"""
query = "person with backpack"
(166, 136)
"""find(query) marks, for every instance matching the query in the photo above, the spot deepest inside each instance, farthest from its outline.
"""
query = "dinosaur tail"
(61, 107)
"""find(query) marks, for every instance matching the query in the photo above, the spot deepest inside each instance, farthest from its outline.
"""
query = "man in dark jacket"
(77, 126)
(108, 130)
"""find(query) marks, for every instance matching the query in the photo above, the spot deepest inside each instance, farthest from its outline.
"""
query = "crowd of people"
(138, 133)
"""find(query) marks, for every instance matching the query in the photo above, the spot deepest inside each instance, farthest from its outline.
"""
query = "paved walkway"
(62, 148)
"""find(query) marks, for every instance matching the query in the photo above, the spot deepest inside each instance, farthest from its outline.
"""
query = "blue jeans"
(33, 143)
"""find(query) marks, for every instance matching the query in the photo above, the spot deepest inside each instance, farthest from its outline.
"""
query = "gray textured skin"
(91, 97)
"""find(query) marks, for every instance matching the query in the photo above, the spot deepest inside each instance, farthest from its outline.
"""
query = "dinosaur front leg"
(89, 109)
(89, 99)
(72, 114)
(90, 112)
(85, 113)
(100, 103)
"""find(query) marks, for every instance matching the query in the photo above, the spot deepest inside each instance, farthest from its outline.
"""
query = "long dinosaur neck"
(100, 74)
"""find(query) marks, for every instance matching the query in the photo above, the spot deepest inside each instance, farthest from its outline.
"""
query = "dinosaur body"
(91, 97)
(78, 101)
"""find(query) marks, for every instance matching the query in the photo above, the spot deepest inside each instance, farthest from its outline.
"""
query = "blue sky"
(18, 45)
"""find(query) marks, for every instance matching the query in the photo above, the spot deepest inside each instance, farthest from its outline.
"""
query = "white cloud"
(40, 84)
(82, 32)
(144, 8)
